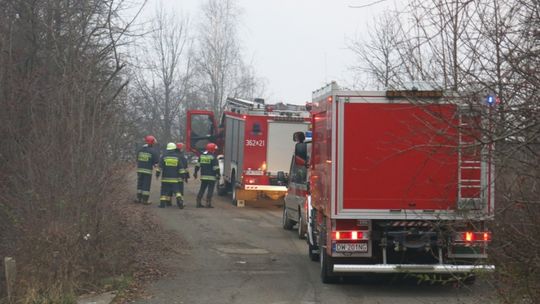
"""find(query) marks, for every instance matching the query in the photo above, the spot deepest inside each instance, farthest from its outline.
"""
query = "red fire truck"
(399, 183)
(251, 138)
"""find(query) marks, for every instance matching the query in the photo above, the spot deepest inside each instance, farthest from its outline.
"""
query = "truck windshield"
(202, 131)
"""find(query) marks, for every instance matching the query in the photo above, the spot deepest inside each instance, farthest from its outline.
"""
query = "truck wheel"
(222, 189)
(327, 268)
(233, 189)
(302, 226)
(312, 256)
(467, 280)
(288, 224)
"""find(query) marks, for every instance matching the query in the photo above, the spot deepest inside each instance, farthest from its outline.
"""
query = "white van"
(298, 192)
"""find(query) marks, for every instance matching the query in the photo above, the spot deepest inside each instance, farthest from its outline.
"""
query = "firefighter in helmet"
(169, 169)
(147, 158)
(184, 173)
(208, 165)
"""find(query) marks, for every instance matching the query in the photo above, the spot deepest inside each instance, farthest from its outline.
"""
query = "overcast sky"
(296, 45)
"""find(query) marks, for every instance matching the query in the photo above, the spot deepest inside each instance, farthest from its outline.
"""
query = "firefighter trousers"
(167, 191)
(206, 184)
(144, 180)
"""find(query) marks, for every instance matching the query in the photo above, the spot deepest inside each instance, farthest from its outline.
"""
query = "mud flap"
(274, 195)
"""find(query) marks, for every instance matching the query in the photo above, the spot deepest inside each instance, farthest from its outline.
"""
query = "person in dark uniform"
(147, 158)
(301, 156)
(300, 149)
(184, 173)
(209, 167)
(169, 169)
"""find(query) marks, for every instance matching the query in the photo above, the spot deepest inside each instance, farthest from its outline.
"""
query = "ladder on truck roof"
(257, 106)
(472, 162)
(238, 103)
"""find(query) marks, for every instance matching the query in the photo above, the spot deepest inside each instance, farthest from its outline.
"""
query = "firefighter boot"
(180, 202)
(209, 204)
(199, 204)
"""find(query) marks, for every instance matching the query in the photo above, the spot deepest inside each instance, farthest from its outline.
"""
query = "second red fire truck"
(252, 138)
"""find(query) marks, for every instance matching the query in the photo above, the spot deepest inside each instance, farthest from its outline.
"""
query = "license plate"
(351, 247)
(254, 172)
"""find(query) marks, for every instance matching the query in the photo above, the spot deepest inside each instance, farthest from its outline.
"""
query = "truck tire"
(233, 188)
(466, 280)
(312, 256)
(222, 189)
(470, 280)
(302, 226)
(311, 238)
(327, 268)
(288, 224)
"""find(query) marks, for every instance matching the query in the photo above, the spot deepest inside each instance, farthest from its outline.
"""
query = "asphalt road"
(242, 255)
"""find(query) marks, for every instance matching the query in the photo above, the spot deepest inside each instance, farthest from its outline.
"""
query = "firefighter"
(169, 169)
(300, 149)
(184, 173)
(209, 167)
(147, 158)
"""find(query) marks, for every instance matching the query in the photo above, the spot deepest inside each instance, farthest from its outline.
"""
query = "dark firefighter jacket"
(184, 174)
(147, 157)
(208, 165)
(170, 167)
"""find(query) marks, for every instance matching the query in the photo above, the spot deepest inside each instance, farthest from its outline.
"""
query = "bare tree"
(378, 55)
(475, 49)
(246, 83)
(162, 84)
(62, 88)
(218, 49)
(511, 71)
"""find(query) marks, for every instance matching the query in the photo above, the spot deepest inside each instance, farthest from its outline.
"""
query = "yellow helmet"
(171, 146)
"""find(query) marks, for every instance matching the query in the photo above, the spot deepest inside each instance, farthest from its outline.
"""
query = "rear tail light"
(471, 236)
(350, 235)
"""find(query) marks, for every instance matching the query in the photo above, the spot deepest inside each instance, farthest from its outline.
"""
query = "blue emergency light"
(490, 100)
